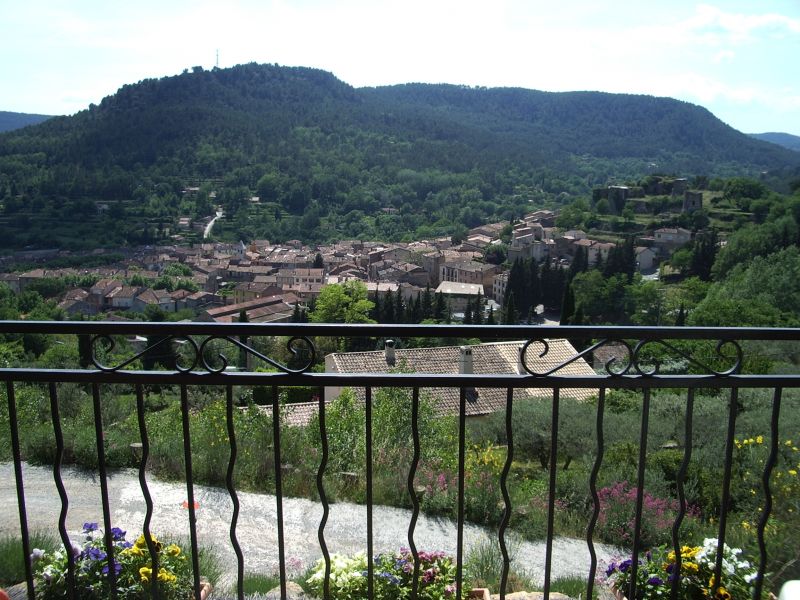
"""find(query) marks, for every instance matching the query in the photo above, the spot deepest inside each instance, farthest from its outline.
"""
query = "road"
(345, 531)
(207, 230)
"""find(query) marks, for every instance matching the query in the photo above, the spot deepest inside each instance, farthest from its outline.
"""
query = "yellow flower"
(141, 543)
(690, 567)
(173, 550)
(760, 439)
(166, 576)
(133, 550)
(145, 573)
(792, 472)
(723, 593)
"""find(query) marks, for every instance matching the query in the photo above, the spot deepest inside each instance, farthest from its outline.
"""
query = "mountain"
(13, 120)
(325, 158)
(787, 140)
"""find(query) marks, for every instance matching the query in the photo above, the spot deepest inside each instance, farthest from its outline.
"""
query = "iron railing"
(723, 368)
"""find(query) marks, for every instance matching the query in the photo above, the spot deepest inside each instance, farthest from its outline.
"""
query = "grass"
(484, 564)
(259, 583)
(574, 587)
(12, 566)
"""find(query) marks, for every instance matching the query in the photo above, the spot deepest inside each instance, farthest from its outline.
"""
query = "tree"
(490, 316)
(510, 314)
(567, 305)
(343, 303)
(318, 262)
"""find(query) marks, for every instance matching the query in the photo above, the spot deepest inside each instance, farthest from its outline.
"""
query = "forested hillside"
(325, 159)
(787, 140)
(14, 120)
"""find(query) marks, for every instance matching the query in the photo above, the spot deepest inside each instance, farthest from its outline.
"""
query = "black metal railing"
(198, 362)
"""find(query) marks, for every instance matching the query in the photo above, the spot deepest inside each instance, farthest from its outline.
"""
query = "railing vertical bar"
(101, 461)
(148, 499)
(370, 549)
(501, 534)
(62, 492)
(187, 454)
(23, 512)
(412, 492)
(770, 464)
(276, 441)
(462, 429)
(598, 461)
(726, 487)
(323, 436)
(232, 491)
(551, 493)
(676, 526)
(637, 520)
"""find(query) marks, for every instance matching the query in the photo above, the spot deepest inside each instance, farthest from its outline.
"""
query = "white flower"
(37, 554)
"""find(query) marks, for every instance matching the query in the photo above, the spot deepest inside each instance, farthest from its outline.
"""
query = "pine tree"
(680, 320)
(439, 309)
(377, 313)
(490, 316)
(477, 312)
(388, 308)
(468, 313)
(510, 315)
(567, 305)
(243, 339)
(415, 315)
(427, 303)
(399, 307)
(534, 284)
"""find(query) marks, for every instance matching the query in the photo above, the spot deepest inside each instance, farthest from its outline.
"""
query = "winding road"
(345, 531)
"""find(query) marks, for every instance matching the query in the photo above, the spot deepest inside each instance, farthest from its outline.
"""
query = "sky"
(738, 58)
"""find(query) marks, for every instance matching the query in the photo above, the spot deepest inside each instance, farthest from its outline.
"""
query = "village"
(266, 283)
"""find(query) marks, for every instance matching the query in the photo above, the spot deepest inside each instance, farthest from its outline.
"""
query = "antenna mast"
(218, 58)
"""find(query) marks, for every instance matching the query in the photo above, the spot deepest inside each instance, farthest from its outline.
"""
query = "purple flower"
(117, 534)
(89, 527)
(625, 565)
(655, 581)
(611, 569)
(117, 568)
(93, 553)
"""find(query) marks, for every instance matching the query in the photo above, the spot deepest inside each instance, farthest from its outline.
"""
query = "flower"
(393, 576)
(657, 572)
(129, 568)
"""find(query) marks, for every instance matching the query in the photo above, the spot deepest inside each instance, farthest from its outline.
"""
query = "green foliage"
(12, 567)
(324, 160)
(343, 303)
(763, 292)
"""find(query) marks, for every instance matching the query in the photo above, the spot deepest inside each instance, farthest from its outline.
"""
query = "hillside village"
(264, 282)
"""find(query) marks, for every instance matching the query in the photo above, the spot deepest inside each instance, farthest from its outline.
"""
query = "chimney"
(388, 351)
(465, 360)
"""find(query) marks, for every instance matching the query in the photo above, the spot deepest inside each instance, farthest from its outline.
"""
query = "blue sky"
(736, 58)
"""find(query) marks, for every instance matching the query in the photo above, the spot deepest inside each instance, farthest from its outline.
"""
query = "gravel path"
(345, 531)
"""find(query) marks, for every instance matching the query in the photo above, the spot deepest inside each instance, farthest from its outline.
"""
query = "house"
(669, 239)
(458, 294)
(499, 286)
(468, 272)
(645, 258)
(121, 298)
(272, 309)
(76, 302)
(491, 358)
(160, 298)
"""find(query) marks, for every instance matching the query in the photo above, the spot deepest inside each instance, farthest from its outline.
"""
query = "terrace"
(717, 366)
